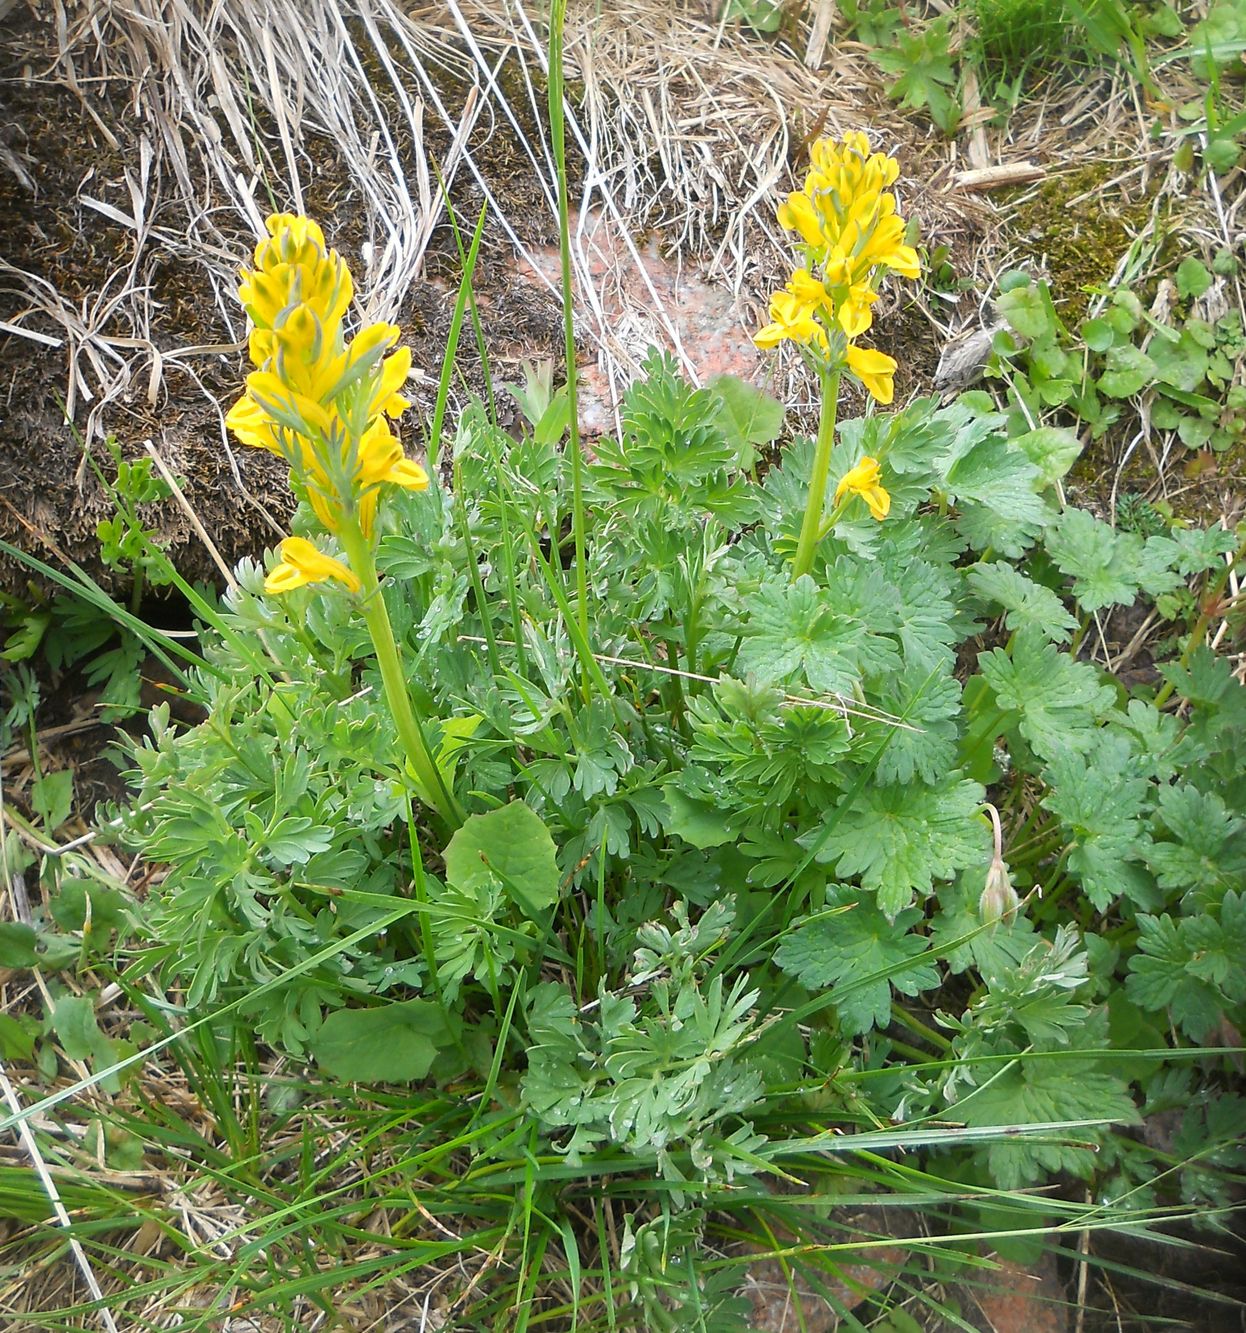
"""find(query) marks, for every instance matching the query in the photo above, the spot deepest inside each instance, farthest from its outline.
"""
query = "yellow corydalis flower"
(793, 314)
(301, 563)
(864, 480)
(852, 237)
(318, 399)
(875, 370)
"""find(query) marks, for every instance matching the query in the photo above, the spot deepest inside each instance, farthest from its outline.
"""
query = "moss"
(1080, 247)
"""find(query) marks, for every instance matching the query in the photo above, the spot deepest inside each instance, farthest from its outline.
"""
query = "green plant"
(771, 846)
(921, 61)
(70, 630)
(1186, 369)
(125, 540)
(1014, 36)
(787, 831)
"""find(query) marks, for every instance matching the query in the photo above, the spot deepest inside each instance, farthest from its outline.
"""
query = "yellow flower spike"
(301, 563)
(293, 266)
(292, 239)
(863, 480)
(874, 369)
(315, 399)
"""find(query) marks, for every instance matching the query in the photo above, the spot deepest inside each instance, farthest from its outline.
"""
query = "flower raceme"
(852, 237)
(322, 402)
(316, 398)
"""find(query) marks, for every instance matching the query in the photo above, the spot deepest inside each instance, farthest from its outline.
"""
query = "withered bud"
(999, 901)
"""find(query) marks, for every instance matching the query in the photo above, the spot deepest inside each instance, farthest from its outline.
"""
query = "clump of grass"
(1020, 37)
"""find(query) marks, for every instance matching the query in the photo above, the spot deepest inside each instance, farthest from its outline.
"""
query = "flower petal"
(863, 480)
(874, 369)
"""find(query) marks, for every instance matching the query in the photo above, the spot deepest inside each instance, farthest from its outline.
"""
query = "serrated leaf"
(985, 530)
(1160, 978)
(900, 839)
(1102, 562)
(861, 956)
(1025, 602)
(923, 65)
(753, 417)
(1059, 700)
(1208, 855)
(1099, 797)
(930, 703)
(923, 617)
(799, 631)
(391, 1043)
(513, 846)
(997, 474)
(1052, 450)
(1201, 549)
(1045, 1091)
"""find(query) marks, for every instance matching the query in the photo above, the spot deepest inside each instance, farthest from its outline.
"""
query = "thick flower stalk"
(850, 238)
(323, 402)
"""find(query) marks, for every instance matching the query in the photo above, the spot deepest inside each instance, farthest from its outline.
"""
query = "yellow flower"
(863, 480)
(853, 234)
(791, 319)
(301, 563)
(800, 214)
(293, 266)
(808, 290)
(849, 224)
(316, 399)
(854, 313)
(874, 369)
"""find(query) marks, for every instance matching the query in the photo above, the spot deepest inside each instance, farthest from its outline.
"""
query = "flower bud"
(999, 901)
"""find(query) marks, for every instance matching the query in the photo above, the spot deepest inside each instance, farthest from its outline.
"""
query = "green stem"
(434, 791)
(557, 130)
(1210, 604)
(923, 1030)
(812, 524)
